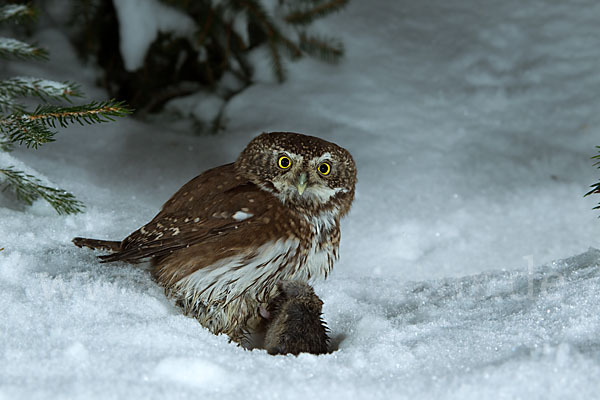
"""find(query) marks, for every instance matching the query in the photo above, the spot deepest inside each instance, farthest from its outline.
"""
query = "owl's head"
(304, 172)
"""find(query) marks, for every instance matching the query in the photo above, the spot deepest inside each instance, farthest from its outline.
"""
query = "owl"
(220, 245)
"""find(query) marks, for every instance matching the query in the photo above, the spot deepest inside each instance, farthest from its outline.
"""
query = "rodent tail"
(97, 244)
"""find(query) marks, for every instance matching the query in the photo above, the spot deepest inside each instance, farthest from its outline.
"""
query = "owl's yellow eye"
(324, 168)
(284, 162)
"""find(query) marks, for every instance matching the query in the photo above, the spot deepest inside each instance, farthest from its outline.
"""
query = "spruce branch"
(32, 129)
(17, 125)
(18, 128)
(226, 33)
(7, 104)
(292, 48)
(596, 186)
(595, 190)
(16, 12)
(307, 16)
(326, 49)
(257, 14)
(42, 88)
(15, 48)
(28, 189)
(94, 112)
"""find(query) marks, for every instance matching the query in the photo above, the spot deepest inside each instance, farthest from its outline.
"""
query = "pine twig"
(8, 105)
(94, 112)
(42, 88)
(292, 48)
(15, 48)
(276, 63)
(257, 12)
(595, 187)
(329, 50)
(305, 17)
(17, 128)
(595, 190)
(28, 189)
(16, 12)
(32, 129)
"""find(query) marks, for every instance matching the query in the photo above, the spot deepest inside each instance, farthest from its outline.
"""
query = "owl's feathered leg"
(97, 244)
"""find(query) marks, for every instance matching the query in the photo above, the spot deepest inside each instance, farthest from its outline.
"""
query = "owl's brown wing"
(206, 208)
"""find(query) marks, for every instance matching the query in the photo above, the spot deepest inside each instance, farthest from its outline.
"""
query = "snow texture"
(140, 21)
(472, 126)
(202, 106)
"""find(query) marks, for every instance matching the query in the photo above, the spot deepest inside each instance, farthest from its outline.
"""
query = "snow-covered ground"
(472, 124)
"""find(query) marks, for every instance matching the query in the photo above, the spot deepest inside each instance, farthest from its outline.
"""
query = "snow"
(202, 106)
(465, 271)
(140, 21)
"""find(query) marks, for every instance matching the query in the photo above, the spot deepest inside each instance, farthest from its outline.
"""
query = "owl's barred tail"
(97, 244)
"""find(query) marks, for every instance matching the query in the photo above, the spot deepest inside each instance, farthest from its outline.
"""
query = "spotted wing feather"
(204, 209)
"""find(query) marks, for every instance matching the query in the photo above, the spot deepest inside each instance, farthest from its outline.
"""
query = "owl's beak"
(302, 182)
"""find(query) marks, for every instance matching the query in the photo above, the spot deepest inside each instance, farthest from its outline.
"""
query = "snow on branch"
(324, 48)
(15, 48)
(15, 11)
(44, 88)
(17, 125)
(28, 188)
(258, 14)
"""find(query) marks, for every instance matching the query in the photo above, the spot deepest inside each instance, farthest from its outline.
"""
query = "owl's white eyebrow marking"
(241, 215)
(282, 152)
(324, 156)
(296, 158)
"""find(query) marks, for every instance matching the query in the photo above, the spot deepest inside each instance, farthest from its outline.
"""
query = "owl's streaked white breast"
(233, 276)
(254, 272)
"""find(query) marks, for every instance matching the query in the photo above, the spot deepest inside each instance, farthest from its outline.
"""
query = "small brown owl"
(294, 321)
(221, 244)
